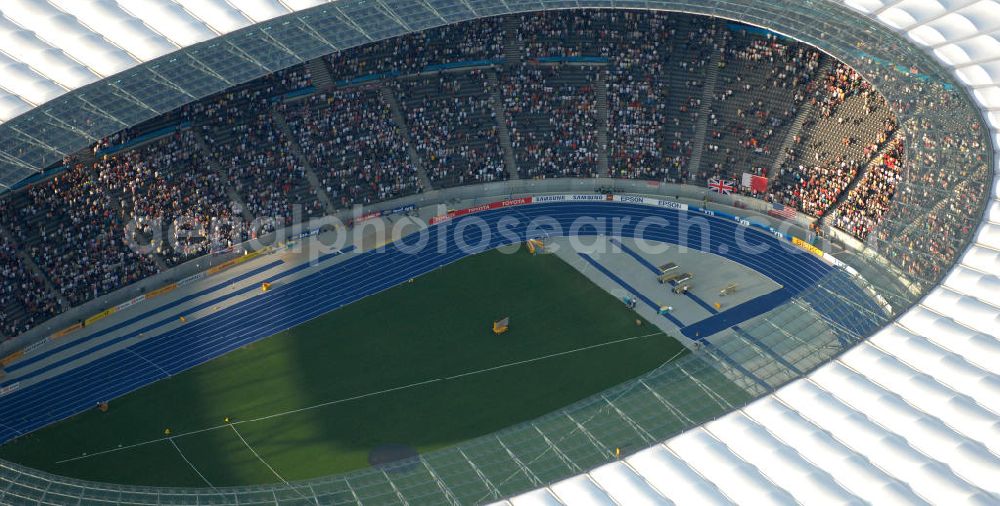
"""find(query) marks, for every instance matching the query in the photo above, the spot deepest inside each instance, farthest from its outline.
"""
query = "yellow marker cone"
(167, 432)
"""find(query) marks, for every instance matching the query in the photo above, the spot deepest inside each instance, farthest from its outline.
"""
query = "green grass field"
(377, 372)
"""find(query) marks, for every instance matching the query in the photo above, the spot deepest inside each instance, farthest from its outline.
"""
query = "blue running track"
(292, 303)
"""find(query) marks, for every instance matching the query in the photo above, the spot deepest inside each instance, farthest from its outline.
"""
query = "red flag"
(755, 183)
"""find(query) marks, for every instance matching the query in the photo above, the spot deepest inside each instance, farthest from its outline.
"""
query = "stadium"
(499, 252)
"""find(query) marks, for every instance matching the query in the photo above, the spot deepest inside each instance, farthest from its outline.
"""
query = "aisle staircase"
(804, 112)
(213, 164)
(602, 117)
(701, 128)
(404, 131)
(509, 161)
(320, 73)
(310, 173)
(511, 43)
(34, 269)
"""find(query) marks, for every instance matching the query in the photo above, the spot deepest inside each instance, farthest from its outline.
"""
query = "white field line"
(255, 454)
(195, 469)
(358, 397)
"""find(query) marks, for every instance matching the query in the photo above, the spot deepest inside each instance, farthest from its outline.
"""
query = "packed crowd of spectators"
(948, 167)
(864, 206)
(24, 298)
(655, 91)
(554, 34)
(172, 197)
(76, 235)
(243, 136)
(552, 118)
(763, 82)
(178, 199)
(352, 142)
(639, 93)
(848, 125)
(282, 81)
(481, 39)
(453, 127)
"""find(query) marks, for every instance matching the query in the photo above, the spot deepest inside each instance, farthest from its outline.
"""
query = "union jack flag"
(722, 186)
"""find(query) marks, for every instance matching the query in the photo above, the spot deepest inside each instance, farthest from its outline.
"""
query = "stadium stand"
(24, 298)
(761, 87)
(410, 54)
(442, 79)
(831, 146)
(552, 117)
(847, 124)
(242, 136)
(814, 127)
(353, 144)
(167, 185)
(71, 227)
(454, 127)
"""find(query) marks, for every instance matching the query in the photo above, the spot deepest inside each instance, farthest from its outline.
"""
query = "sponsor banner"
(301, 235)
(401, 209)
(388, 212)
(550, 198)
(161, 290)
(649, 201)
(129, 303)
(191, 279)
(103, 314)
(371, 215)
(808, 247)
(836, 262)
(569, 198)
(66, 331)
(481, 208)
(9, 388)
(219, 268)
(35, 345)
(12, 357)
(631, 199)
(233, 262)
(744, 222)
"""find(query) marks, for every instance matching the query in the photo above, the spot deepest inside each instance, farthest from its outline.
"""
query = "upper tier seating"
(453, 127)
(552, 118)
(168, 193)
(242, 136)
(24, 299)
(354, 146)
(477, 40)
(76, 234)
(762, 84)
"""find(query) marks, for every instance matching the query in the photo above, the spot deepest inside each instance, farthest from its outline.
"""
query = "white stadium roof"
(49, 47)
(910, 416)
